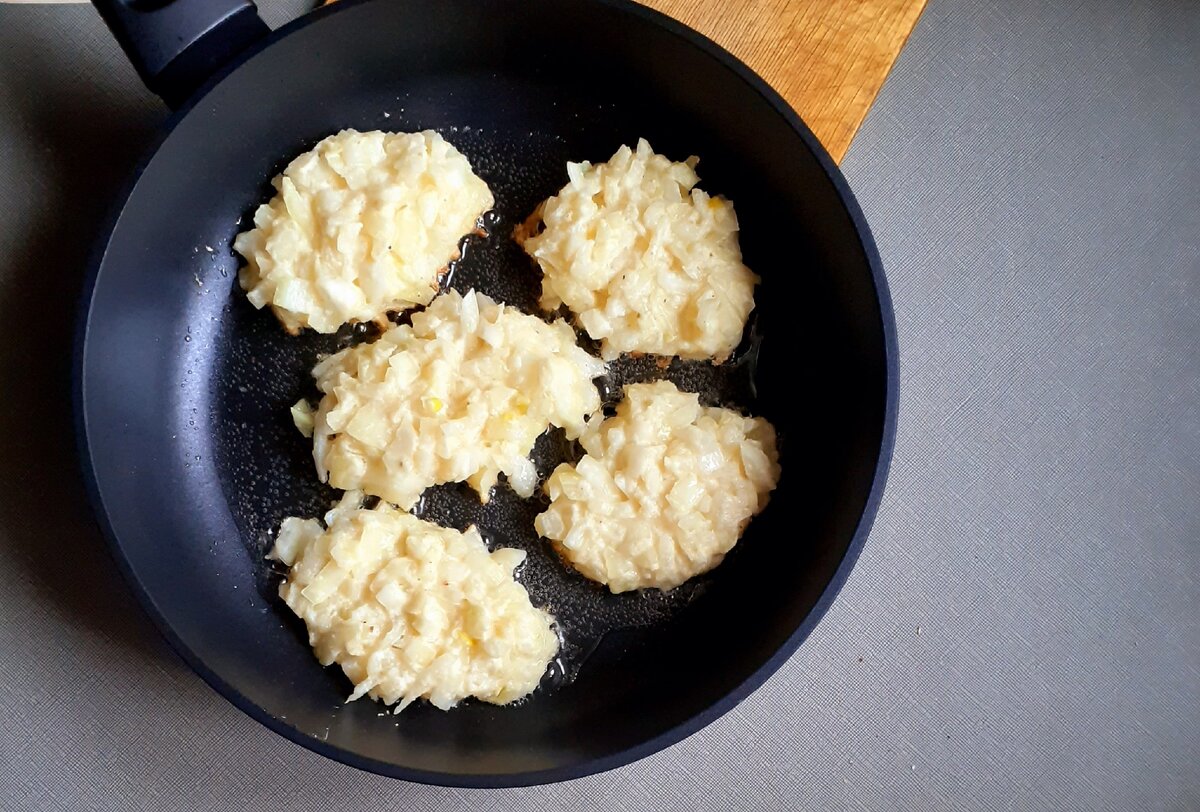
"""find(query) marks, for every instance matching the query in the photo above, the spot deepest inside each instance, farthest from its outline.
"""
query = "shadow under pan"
(184, 388)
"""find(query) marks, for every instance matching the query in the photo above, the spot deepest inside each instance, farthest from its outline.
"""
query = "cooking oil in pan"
(267, 465)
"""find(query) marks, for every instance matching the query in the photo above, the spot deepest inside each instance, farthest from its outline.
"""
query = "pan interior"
(186, 387)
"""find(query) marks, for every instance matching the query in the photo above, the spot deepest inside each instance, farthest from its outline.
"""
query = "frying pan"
(182, 388)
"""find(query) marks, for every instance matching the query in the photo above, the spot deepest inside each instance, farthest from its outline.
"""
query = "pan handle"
(176, 45)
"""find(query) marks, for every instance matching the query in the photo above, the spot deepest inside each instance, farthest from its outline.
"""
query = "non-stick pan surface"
(183, 388)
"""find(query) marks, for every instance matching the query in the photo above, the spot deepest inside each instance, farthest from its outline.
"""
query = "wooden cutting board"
(828, 58)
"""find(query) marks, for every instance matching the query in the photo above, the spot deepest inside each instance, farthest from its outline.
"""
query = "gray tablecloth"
(1023, 629)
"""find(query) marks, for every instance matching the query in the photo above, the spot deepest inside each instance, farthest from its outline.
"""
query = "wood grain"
(828, 58)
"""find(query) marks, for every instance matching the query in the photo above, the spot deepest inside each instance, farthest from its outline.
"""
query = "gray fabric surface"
(1023, 628)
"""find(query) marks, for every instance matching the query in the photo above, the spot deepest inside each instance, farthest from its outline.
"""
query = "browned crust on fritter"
(532, 226)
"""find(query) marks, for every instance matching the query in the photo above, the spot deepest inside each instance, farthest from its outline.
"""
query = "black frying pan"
(183, 388)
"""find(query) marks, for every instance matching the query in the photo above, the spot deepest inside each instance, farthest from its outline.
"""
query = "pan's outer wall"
(142, 381)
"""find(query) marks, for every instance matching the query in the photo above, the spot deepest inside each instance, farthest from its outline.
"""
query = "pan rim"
(583, 768)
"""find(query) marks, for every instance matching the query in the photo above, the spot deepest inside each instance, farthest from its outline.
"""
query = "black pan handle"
(176, 45)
